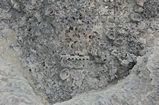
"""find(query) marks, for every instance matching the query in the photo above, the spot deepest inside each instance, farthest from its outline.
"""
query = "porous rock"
(99, 43)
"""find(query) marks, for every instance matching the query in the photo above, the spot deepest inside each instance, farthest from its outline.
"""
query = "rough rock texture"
(69, 47)
(141, 87)
(14, 88)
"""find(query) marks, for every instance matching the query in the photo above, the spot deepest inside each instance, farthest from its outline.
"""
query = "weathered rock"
(14, 88)
(97, 42)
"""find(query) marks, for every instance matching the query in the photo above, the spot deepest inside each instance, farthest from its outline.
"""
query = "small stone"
(16, 6)
(37, 15)
(138, 9)
(149, 31)
(141, 25)
(140, 2)
(125, 63)
(131, 58)
(79, 53)
(142, 40)
(135, 17)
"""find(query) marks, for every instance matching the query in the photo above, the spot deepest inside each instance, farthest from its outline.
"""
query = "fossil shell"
(119, 41)
(64, 74)
(49, 11)
(111, 35)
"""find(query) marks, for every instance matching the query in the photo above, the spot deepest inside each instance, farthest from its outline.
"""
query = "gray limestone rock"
(74, 47)
(14, 88)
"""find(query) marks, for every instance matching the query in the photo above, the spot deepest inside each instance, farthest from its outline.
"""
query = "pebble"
(125, 63)
(138, 9)
(135, 17)
(141, 25)
(140, 2)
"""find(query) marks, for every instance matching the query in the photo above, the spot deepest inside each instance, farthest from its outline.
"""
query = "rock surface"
(14, 88)
(97, 52)
(141, 87)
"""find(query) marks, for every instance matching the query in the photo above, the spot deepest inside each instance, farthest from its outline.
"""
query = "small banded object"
(74, 57)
